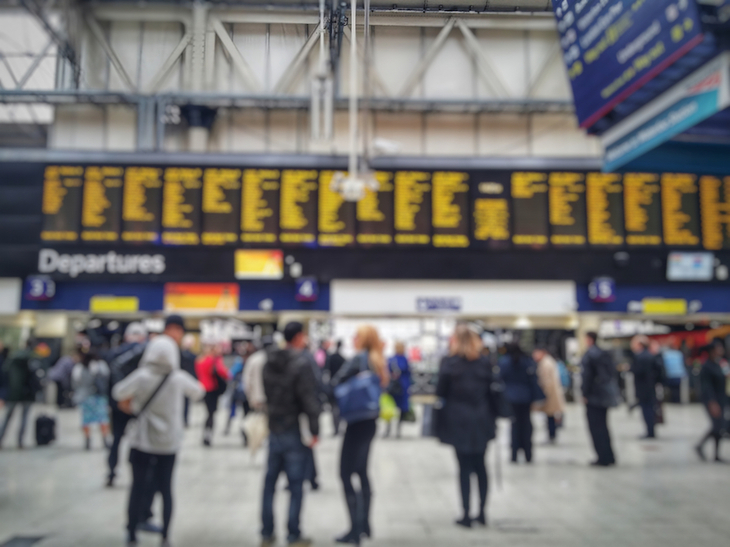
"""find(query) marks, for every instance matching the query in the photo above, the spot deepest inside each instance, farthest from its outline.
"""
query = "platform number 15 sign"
(602, 289)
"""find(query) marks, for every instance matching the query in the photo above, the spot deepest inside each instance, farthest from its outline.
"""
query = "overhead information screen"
(491, 204)
(298, 206)
(680, 209)
(604, 199)
(221, 206)
(450, 199)
(642, 209)
(567, 209)
(336, 216)
(412, 208)
(62, 202)
(260, 206)
(715, 200)
(141, 204)
(181, 202)
(530, 204)
(375, 212)
(101, 210)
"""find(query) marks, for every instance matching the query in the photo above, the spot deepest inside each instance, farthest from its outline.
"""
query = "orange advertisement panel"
(218, 297)
(259, 264)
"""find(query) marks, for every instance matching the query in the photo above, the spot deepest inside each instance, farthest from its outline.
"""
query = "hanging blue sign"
(307, 289)
(39, 288)
(602, 289)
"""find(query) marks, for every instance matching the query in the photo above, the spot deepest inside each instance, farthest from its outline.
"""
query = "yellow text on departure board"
(96, 201)
(491, 219)
(57, 180)
(330, 203)
(526, 185)
(565, 191)
(175, 208)
(446, 185)
(640, 192)
(715, 212)
(256, 208)
(137, 180)
(297, 187)
(676, 219)
(599, 186)
(368, 208)
(216, 182)
(410, 188)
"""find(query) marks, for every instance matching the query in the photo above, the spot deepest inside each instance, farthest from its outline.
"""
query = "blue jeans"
(288, 454)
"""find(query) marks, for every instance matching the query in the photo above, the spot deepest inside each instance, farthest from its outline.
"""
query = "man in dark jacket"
(645, 379)
(600, 392)
(332, 366)
(22, 388)
(714, 396)
(291, 390)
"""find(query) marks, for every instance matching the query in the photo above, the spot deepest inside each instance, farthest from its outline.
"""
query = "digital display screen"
(642, 209)
(491, 205)
(530, 204)
(450, 199)
(604, 200)
(336, 216)
(221, 206)
(298, 197)
(181, 205)
(101, 211)
(715, 201)
(62, 186)
(412, 208)
(567, 209)
(260, 206)
(680, 209)
(375, 212)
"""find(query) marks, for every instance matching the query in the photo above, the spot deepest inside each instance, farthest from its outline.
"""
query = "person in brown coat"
(548, 377)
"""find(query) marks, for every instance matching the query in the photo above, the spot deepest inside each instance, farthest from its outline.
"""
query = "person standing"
(359, 435)
(187, 363)
(519, 374)
(467, 418)
(90, 380)
(400, 372)
(4, 352)
(644, 371)
(61, 373)
(714, 396)
(600, 392)
(213, 374)
(154, 393)
(22, 388)
(548, 377)
(332, 366)
(291, 390)
(674, 370)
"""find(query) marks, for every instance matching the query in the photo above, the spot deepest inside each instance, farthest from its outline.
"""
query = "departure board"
(642, 209)
(604, 199)
(101, 210)
(181, 205)
(715, 200)
(680, 209)
(567, 209)
(375, 212)
(336, 216)
(62, 186)
(221, 206)
(298, 205)
(412, 208)
(450, 209)
(530, 204)
(141, 204)
(491, 215)
(260, 206)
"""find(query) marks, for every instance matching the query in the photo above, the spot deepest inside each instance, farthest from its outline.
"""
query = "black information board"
(260, 206)
(412, 208)
(298, 206)
(62, 185)
(567, 209)
(680, 209)
(604, 199)
(642, 209)
(450, 209)
(101, 209)
(530, 209)
(715, 200)
(491, 209)
(141, 205)
(181, 205)
(336, 216)
(221, 206)
(375, 212)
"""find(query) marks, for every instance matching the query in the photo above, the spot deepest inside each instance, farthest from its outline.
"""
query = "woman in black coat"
(467, 418)
(714, 396)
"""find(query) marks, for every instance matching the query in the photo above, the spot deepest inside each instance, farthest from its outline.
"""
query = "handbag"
(150, 399)
(359, 397)
(221, 382)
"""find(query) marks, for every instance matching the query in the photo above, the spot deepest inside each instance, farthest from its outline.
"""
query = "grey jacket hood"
(161, 355)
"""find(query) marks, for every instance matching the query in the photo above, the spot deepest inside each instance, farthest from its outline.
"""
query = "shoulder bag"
(359, 397)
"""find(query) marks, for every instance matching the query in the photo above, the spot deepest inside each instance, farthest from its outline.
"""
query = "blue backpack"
(359, 397)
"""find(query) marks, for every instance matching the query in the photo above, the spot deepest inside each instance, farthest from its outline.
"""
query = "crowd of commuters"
(144, 386)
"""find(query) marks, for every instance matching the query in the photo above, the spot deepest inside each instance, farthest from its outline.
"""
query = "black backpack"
(125, 364)
(45, 430)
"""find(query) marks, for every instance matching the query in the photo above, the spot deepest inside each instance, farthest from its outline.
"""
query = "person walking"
(291, 390)
(61, 373)
(213, 374)
(187, 363)
(332, 366)
(22, 388)
(467, 417)
(521, 389)
(400, 373)
(600, 392)
(643, 368)
(714, 396)
(359, 435)
(548, 377)
(675, 371)
(90, 381)
(154, 394)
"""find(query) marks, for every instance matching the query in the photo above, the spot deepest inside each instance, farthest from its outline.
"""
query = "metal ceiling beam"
(98, 33)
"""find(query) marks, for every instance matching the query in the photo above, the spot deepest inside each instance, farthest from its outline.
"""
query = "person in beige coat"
(548, 377)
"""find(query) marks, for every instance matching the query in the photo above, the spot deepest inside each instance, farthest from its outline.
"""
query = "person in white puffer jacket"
(156, 435)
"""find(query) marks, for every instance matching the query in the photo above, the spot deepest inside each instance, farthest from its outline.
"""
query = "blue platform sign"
(602, 289)
(612, 48)
(39, 288)
(307, 289)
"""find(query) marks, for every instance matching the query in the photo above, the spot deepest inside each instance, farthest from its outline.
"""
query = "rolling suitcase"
(45, 430)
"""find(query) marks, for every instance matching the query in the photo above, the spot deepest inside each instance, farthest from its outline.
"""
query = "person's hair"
(515, 352)
(593, 336)
(339, 345)
(641, 340)
(370, 342)
(292, 329)
(400, 348)
(466, 342)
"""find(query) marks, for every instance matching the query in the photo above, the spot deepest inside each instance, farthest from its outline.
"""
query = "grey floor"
(658, 495)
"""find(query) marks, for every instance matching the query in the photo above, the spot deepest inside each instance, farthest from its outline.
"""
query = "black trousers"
(472, 463)
(598, 426)
(649, 412)
(310, 469)
(354, 461)
(119, 424)
(150, 473)
(552, 427)
(521, 431)
(211, 403)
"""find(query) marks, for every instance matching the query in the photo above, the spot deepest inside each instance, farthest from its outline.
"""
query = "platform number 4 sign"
(307, 289)
(602, 289)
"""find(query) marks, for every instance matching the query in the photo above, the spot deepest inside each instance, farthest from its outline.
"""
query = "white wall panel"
(450, 135)
(158, 41)
(505, 51)
(559, 135)
(395, 52)
(285, 43)
(503, 135)
(450, 75)
(283, 131)
(248, 131)
(125, 38)
(78, 127)
(220, 139)
(175, 139)
(403, 129)
(553, 83)
(121, 128)
(251, 42)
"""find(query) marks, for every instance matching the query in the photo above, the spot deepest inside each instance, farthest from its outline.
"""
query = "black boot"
(353, 536)
(365, 525)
